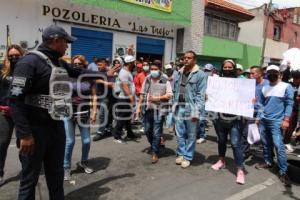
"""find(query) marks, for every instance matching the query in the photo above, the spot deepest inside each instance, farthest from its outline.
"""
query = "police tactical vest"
(59, 100)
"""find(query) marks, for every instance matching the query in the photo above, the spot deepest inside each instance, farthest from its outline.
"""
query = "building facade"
(104, 28)
(221, 33)
(282, 32)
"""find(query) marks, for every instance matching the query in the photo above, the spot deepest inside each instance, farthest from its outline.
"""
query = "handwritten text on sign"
(230, 95)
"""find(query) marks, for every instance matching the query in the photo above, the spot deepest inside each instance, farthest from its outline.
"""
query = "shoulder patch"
(19, 81)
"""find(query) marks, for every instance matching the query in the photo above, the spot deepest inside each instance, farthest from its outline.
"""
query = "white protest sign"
(230, 95)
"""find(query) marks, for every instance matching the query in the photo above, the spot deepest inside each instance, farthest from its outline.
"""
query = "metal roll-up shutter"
(150, 46)
(92, 43)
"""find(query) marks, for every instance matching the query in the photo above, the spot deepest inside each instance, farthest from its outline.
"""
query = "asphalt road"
(125, 172)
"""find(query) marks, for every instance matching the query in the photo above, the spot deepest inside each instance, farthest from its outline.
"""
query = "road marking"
(252, 190)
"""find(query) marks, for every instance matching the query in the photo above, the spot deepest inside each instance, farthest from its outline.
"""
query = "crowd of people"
(44, 98)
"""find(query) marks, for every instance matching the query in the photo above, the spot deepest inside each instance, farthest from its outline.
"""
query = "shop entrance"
(150, 49)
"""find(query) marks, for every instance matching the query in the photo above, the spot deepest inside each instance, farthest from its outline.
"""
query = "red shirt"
(138, 82)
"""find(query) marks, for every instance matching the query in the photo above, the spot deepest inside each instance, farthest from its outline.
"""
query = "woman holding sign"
(230, 124)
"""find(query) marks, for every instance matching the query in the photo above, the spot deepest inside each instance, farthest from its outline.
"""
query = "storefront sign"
(164, 5)
(80, 17)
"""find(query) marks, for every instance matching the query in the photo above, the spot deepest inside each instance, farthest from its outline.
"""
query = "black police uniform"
(31, 77)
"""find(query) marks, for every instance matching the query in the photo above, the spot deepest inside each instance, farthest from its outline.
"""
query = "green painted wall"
(181, 13)
(216, 50)
(251, 56)
(217, 47)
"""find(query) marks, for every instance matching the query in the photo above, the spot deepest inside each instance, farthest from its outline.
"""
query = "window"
(179, 40)
(214, 27)
(232, 31)
(296, 18)
(224, 31)
(220, 27)
(277, 33)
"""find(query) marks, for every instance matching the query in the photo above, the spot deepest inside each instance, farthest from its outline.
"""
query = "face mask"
(229, 73)
(155, 73)
(78, 66)
(146, 68)
(13, 61)
(169, 72)
(272, 77)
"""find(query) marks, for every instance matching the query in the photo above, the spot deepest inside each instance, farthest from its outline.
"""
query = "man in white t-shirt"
(126, 93)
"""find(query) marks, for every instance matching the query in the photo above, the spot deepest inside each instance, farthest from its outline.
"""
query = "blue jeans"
(153, 124)
(70, 141)
(234, 128)
(169, 120)
(271, 136)
(105, 115)
(244, 140)
(201, 129)
(186, 134)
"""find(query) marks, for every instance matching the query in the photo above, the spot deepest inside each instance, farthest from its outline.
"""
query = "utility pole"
(265, 33)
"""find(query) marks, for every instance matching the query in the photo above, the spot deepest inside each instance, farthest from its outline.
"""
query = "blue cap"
(54, 31)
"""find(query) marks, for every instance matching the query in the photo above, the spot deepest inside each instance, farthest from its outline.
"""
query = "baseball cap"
(208, 67)
(129, 59)
(239, 66)
(168, 66)
(54, 31)
(273, 67)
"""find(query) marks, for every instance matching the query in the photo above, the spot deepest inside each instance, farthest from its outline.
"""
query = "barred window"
(220, 27)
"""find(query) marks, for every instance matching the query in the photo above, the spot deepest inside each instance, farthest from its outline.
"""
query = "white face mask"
(146, 68)
(155, 73)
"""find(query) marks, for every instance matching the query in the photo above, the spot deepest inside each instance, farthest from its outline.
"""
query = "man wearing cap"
(126, 100)
(239, 70)
(277, 101)
(38, 102)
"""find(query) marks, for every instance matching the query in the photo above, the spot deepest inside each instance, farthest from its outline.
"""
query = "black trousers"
(6, 130)
(49, 151)
(123, 118)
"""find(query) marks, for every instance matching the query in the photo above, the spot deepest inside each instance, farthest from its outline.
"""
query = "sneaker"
(154, 158)
(247, 155)
(179, 160)
(84, 165)
(131, 136)
(120, 141)
(67, 175)
(98, 137)
(218, 165)
(142, 130)
(263, 166)
(289, 148)
(185, 163)
(2, 181)
(201, 140)
(240, 177)
(285, 180)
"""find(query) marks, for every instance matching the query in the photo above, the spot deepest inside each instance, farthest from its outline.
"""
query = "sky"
(256, 3)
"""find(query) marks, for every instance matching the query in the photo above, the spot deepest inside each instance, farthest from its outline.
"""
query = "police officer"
(37, 98)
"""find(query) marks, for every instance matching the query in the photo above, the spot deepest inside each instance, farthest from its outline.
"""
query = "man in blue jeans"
(277, 101)
(189, 99)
